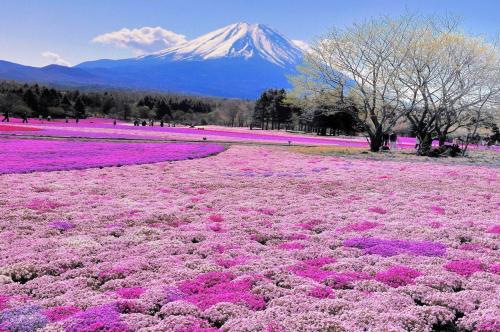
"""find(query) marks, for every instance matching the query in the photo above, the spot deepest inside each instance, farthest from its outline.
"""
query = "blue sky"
(39, 32)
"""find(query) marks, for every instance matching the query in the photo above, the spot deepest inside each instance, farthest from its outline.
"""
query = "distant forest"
(35, 100)
(273, 110)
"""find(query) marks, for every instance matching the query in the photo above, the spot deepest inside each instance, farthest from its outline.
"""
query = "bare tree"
(421, 69)
(364, 59)
(447, 76)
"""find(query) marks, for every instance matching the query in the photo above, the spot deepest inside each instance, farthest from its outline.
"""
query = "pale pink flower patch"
(230, 262)
(345, 280)
(267, 211)
(360, 226)
(43, 205)
(291, 246)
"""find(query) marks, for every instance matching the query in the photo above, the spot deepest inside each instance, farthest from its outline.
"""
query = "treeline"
(36, 100)
(277, 110)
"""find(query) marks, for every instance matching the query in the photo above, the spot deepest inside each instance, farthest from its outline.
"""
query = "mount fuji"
(240, 60)
(236, 40)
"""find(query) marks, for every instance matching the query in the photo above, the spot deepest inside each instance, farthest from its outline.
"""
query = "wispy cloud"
(304, 46)
(55, 58)
(142, 40)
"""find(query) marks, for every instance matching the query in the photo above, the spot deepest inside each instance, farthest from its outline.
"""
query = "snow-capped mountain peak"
(237, 40)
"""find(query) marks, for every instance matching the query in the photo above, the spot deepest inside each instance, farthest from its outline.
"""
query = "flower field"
(28, 155)
(251, 239)
(103, 128)
(14, 128)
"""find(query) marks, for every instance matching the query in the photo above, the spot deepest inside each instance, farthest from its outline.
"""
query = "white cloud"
(55, 58)
(142, 40)
(304, 46)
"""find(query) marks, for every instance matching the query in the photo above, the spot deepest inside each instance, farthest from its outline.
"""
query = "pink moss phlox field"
(26, 155)
(10, 128)
(182, 246)
(103, 128)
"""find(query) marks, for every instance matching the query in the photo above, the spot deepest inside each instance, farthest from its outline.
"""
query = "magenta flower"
(321, 292)
(215, 287)
(494, 229)
(97, 319)
(378, 210)
(216, 218)
(465, 267)
(397, 276)
(291, 246)
(437, 210)
(60, 313)
(130, 293)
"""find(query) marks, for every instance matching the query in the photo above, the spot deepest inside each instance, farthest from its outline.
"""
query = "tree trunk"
(376, 140)
(425, 146)
(442, 139)
(375, 143)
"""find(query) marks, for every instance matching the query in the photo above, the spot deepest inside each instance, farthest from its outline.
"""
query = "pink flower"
(321, 292)
(267, 211)
(437, 209)
(360, 226)
(291, 246)
(464, 267)
(494, 229)
(216, 218)
(227, 263)
(397, 276)
(216, 228)
(3, 302)
(378, 210)
(345, 280)
(43, 205)
(470, 246)
(215, 287)
(435, 224)
(312, 268)
(59, 313)
(495, 268)
(130, 293)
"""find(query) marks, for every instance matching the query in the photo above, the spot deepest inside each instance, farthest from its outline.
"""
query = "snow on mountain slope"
(236, 40)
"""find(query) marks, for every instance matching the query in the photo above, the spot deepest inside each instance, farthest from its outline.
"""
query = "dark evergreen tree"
(79, 109)
(31, 100)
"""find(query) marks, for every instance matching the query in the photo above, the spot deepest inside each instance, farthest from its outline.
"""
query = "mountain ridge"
(239, 60)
